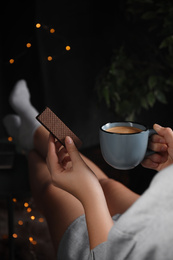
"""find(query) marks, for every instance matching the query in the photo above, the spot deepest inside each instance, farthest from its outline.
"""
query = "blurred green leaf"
(151, 99)
(117, 96)
(141, 69)
(160, 96)
(152, 81)
(166, 42)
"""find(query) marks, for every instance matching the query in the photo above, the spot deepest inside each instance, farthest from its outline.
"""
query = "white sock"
(20, 102)
(12, 124)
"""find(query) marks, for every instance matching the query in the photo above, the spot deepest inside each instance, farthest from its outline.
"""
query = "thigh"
(119, 198)
(59, 207)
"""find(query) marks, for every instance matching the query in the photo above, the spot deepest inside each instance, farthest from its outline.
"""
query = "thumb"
(166, 132)
(72, 150)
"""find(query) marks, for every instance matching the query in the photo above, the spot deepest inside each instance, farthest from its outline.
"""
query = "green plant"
(141, 69)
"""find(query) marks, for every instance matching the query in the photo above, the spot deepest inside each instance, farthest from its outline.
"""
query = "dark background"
(67, 83)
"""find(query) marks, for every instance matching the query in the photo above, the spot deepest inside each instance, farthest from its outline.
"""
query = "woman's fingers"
(157, 147)
(148, 163)
(165, 132)
(157, 143)
(52, 158)
(72, 150)
(158, 139)
(62, 153)
(154, 160)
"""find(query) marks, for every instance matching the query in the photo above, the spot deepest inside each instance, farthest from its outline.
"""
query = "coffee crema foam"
(124, 130)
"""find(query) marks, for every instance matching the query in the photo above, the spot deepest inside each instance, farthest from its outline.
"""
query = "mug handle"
(150, 152)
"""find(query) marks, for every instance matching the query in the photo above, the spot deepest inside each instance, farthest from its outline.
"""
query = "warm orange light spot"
(11, 61)
(28, 45)
(26, 204)
(68, 48)
(15, 235)
(41, 220)
(52, 30)
(10, 139)
(31, 239)
(29, 210)
(20, 222)
(49, 58)
(34, 242)
(32, 217)
(14, 200)
(38, 25)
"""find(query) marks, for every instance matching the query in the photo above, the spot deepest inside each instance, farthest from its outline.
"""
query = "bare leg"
(59, 207)
(119, 198)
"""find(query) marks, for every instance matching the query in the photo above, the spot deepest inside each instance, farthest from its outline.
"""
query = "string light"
(41, 220)
(68, 48)
(31, 239)
(11, 61)
(52, 30)
(38, 25)
(10, 139)
(49, 58)
(15, 235)
(29, 210)
(28, 45)
(26, 204)
(20, 222)
(34, 242)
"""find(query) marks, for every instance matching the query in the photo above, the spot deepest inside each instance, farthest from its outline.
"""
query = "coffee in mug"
(124, 144)
(124, 130)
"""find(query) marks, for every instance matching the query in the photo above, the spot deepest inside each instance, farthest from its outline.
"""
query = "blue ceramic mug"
(124, 144)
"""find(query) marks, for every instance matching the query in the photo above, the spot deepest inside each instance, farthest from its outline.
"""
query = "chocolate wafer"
(56, 127)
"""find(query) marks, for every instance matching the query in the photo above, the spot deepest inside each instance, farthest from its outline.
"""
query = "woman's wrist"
(91, 193)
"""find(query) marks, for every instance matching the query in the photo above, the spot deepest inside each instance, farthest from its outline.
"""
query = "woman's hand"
(69, 172)
(162, 144)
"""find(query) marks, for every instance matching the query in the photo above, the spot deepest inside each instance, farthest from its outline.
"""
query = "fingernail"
(155, 165)
(69, 140)
(157, 127)
(164, 149)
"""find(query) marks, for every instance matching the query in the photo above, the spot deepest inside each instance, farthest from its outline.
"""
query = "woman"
(89, 215)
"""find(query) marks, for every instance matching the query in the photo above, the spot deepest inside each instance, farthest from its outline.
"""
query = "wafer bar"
(56, 127)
